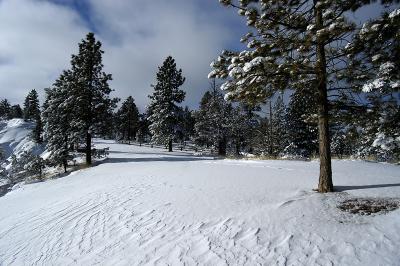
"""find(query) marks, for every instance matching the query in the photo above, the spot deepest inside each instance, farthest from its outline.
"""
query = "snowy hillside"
(147, 206)
(15, 137)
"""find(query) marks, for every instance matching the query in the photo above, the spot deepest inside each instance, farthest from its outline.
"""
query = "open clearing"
(148, 206)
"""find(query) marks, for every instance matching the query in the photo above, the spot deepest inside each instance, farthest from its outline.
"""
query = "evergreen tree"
(27, 165)
(343, 143)
(3, 171)
(302, 132)
(90, 93)
(203, 123)
(37, 131)
(32, 112)
(374, 56)
(214, 121)
(262, 137)
(374, 69)
(35, 166)
(164, 100)
(2, 155)
(185, 125)
(128, 119)
(31, 106)
(16, 111)
(279, 140)
(292, 44)
(253, 121)
(58, 116)
(5, 109)
(143, 128)
(270, 135)
(239, 129)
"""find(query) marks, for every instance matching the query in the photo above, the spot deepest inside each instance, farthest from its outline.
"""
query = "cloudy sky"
(37, 38)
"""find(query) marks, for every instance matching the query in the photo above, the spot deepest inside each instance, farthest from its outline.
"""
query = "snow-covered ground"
(147, 206)
(15, 137)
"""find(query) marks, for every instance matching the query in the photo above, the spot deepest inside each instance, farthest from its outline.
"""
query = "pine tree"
(302, 132)
(374, 69)
(279, 140)
(262, 137)
(2, 155)
(27, 165)
(31, 106)
(58, 116)
(213, 121)
(3, 171)
(5, 109)
(239, 128)
(203, 126)
(32, 112)
(253, 122)
(16, 111)
(186, 121)
(37, 132)
(92, 104)
(128, 119)
(292, 44)
(143, 128)
(35, 167)
(270, 136)
(164, 100)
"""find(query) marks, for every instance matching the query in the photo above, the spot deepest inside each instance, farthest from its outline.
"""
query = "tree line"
(341, 82)
(313, 46)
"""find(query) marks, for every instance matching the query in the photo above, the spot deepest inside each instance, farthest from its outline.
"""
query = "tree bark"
(325, 173)
(222, 147)
(65, 164)
(270, 129)
(88, 148)
(238, 148)
(170, 145)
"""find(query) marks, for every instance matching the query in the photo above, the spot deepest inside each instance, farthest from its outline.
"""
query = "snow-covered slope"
(146, 206)
(15, 137)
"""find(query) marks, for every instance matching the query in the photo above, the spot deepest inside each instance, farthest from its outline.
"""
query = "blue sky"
(39, 36)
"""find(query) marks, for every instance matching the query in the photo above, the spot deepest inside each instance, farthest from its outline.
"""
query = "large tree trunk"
(65, 164)
(222, 147)
(65, 160)
(237, 148)
(170, 145)
(270, 129)
(88, 148)
(325, 173)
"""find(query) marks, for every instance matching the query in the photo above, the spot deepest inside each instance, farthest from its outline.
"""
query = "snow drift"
(147, 206)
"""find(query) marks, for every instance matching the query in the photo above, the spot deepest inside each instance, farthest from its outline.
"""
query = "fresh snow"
(148, 206)
(394, 13)
(15, 137)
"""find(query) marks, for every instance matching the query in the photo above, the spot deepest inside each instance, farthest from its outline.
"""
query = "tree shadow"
(345, 188)
(156, 159)
(172, 154)
(102, 142)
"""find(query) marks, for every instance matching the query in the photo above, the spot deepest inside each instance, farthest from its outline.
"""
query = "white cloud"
(37, 40)
(38, 37)
(139, 35)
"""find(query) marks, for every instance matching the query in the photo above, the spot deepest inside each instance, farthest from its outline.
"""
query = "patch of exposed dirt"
(368, 206)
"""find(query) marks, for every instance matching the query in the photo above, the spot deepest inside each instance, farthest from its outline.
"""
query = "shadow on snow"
(155, 159)
(345, 188)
